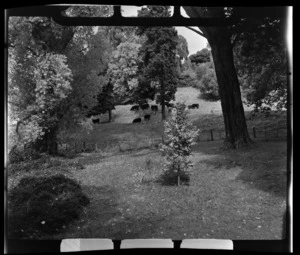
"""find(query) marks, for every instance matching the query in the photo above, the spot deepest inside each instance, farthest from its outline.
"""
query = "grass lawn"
(232, 194)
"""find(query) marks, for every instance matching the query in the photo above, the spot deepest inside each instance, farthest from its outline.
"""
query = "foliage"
(260, 60)
(53, 72)
(179, 137)
(158, 55)
(44, 205)
(182, 52)
(201, 56)
(123, 67)
(208, 86)
(105, 101)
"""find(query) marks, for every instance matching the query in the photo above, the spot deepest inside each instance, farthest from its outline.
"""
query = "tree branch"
(196, 31)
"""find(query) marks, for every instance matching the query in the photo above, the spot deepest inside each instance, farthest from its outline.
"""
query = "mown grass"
(231, 194)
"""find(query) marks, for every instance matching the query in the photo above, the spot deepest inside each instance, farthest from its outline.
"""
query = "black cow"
(134, 108)
(145, 106)
(96, 121)
(137, 120)
(154, 108)
(147, 117)
(193, 106)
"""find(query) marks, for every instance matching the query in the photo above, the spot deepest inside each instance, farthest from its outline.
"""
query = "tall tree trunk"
(229, 89)
(47, 143)
(52, 141)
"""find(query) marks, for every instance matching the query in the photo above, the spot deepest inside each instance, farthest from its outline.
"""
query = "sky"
(194, 40)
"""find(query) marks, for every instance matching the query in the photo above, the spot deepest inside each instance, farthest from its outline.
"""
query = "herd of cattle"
(154, 108)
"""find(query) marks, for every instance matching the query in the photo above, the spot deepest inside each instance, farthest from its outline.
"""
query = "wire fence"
(265, 131)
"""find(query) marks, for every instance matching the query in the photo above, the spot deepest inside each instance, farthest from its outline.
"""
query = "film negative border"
(107, 245)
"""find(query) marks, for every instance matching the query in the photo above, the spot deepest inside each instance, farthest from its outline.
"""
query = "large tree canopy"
(261, 62)
(158, 54)
(53, 71)
(220, 40)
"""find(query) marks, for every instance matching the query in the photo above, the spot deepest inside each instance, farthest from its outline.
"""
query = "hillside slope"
(187, 95)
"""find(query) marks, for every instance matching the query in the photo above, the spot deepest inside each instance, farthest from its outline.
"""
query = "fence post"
(254, 133)
(211, 135)
(277, 129)
(83, 145)
(75, 146)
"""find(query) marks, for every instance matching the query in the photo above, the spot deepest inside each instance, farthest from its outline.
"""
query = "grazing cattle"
(147, 117)
(154, 108)
(193, 106)
(137, 120)
(145, 106)
(96, 121)
(134, 108)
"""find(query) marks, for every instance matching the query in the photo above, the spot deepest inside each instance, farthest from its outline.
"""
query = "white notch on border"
(210, 244)
(146, 243)
(69, 245)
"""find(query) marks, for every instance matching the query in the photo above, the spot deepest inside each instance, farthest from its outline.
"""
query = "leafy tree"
(182, 52)
(105, 101)
(38, 83)
(158, 55)
(261, 63)
(208, 86)
(220, 39)
(68, 60)
(123, 69)
(180, 136)
(201, 56)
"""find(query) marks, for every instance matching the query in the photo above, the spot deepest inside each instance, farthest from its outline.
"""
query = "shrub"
(180, 135)
(209, 86)
(201, 70)
(44, 205)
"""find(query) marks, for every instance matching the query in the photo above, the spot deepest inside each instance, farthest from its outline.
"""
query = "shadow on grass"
(263, 164)
(106, 217)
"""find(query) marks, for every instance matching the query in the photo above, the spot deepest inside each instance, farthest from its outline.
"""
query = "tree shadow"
(263, 165)
(104, 218)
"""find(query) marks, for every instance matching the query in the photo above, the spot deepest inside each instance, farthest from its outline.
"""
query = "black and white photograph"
(148, 130)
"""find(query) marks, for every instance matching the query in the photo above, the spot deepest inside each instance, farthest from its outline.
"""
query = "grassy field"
(121, 134)
(234, 194)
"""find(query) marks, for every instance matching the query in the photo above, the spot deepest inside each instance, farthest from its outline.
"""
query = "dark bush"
(44, 205)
